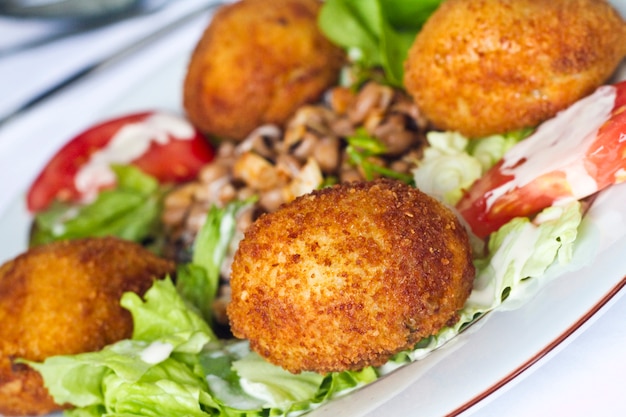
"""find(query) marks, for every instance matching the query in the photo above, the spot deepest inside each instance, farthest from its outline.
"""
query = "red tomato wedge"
(162, 145)
(572, 156)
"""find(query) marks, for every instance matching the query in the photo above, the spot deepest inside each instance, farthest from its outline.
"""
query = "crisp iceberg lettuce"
(446, 168)
(451, 163)
(518, 255)
(523, 249)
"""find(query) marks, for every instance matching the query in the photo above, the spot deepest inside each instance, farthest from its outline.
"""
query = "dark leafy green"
(376, 33)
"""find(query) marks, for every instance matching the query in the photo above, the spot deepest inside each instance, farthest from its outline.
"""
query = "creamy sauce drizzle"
(128, 144)
(559, 144)
(156, 352)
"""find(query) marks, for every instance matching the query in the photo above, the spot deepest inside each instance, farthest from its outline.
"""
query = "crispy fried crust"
(347, 276)
(491, 66)
(256, 63)
(63, 298)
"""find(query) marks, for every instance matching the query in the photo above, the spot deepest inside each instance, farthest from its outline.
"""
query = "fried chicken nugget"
(64, 298)
(345, 277)
(483, 67)
(256, 63)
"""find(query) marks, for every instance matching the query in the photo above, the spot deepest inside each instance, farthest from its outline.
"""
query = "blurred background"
(48, 44)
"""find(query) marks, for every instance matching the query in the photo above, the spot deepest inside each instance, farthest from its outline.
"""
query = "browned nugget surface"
(490, 66)
(347, 276)
(64, 298)
(256, 63)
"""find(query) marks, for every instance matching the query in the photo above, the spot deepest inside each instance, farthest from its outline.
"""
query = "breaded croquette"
(345, 277)
(485, 67)
(64, 298)
(256, 63)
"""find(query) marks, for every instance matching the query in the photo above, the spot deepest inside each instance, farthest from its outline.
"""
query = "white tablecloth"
(586, 377)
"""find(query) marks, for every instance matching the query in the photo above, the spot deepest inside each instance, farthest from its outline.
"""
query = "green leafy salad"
(175, 365)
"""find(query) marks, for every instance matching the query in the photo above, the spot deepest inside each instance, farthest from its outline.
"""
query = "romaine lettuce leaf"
(129, 211)
(198, 281)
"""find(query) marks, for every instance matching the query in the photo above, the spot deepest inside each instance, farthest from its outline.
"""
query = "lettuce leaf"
(243, 382)
(198, 281)
(173, 365)
(279, 388)
(519, 254)
(130, 210)
(520, 250)
(165, 317)
(376, 33)
(446, 168)
(163, 326)
(451, 163)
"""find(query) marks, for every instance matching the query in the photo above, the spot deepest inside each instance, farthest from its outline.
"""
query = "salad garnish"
(362, 151)
(198, 280)
(376, 33)
(131, 210)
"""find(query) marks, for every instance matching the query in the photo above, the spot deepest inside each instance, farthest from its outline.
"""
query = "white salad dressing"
(128, 144)
(559, 144)
(258, 390)
(156, 352)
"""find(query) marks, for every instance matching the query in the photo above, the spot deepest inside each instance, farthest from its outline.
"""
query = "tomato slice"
(572, 156)
(162, 145)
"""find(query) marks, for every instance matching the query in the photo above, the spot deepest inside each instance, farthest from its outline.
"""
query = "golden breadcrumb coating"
(483, 67)
(347, 276)
(64, 298)
(256, 63)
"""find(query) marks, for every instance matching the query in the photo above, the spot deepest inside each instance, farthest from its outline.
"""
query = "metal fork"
(85, 71)
(63, 18)
(83, 10)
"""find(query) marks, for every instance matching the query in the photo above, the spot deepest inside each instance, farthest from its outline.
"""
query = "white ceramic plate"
(490, 354)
